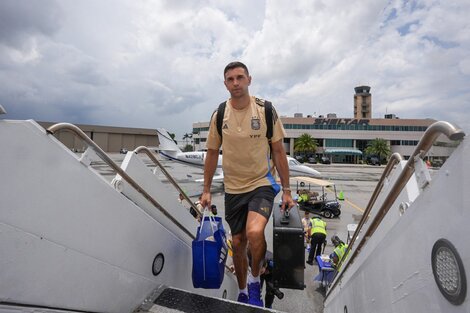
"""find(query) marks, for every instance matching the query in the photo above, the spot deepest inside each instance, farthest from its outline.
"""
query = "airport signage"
(340, 121)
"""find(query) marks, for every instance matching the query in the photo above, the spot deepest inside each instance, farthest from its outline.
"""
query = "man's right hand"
(206, 199)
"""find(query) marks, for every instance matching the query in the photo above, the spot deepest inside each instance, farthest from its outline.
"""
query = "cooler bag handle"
(211, 221)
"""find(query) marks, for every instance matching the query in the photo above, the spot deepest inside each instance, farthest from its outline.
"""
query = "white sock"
(252, 279)
(245, 291)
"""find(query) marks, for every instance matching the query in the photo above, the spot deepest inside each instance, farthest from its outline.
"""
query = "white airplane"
(169, 150)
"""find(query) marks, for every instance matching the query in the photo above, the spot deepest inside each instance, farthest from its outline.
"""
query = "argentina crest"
(255, 124)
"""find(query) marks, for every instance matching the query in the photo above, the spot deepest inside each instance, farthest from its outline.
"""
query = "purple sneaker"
(243, 298)
(254, 292)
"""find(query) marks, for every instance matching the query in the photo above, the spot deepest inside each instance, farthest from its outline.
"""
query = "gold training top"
(245, 146)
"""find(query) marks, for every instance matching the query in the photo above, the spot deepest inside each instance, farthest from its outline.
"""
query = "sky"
(160, 63)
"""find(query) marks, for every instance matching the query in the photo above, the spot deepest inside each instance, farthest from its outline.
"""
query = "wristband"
(286, 189)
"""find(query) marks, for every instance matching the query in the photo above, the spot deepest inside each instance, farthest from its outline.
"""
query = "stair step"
(176, 300)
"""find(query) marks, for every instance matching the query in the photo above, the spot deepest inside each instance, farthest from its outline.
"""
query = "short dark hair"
(235, 64)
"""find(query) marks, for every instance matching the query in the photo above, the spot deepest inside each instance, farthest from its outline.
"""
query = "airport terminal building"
(344, 139)
(108, 138)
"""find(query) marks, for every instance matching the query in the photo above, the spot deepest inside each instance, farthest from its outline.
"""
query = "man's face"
(237, 82)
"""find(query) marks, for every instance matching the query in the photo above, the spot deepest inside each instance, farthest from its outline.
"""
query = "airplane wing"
(295, 169)
(218, 176)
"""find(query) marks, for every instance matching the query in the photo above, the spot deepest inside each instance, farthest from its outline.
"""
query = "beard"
(238, 93)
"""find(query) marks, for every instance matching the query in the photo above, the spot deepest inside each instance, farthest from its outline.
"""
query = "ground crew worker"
(229, 246)
(317, 238)
(230, 252)
(339, 251)
(200, 209)
(306, 228)
(303, 196)
(213, 210)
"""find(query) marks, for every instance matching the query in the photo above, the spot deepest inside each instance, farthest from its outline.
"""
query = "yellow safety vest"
(340, 250)
(318, 226)
(229, 246)
(303, 197)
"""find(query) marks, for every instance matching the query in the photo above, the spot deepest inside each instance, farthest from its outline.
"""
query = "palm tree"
(187, 136)
(305, 143)
(379, 147)
(172, 135)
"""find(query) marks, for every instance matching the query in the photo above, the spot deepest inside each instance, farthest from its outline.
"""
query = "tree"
(305, 143)
(172, 135)
(188, 148)
(378, 147)
(187, 136)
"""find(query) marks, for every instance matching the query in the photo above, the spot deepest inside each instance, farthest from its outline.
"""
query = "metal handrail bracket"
(167, 175)
(426, 142)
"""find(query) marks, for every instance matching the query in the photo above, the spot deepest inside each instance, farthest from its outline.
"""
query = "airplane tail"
(167, 144)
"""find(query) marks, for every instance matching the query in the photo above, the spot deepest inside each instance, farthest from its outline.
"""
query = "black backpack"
(268, 114)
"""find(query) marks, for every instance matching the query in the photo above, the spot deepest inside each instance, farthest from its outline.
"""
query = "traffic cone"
(341, 196)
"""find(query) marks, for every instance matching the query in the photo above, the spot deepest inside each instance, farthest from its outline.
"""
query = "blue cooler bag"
(209, 253)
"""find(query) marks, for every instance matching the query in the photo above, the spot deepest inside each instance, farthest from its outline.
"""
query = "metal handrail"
(77, 131)
(167, 175)
(426, 142)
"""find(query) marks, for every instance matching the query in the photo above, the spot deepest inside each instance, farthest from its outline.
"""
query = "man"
(303, 197)
(200, 208)
(248, 175)
(317, 238)
(306, 227)
(213, 210)
(199, 205)
(339, 251)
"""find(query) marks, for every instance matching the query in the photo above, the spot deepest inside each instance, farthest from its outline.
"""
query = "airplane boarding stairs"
(410, 252)
(71, 241)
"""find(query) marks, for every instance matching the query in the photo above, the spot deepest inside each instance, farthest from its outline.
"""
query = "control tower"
(362, 102)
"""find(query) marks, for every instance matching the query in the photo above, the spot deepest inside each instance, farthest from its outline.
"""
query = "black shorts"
(237, 206)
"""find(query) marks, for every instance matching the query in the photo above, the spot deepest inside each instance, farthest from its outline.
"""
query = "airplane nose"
(312, 172)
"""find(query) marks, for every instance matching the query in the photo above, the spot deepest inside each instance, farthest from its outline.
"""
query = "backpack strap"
(220, 118)
(268, 114)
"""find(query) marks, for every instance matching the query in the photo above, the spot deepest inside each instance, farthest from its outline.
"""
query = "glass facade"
(347, 143)
(200, 129)
(403, 142)
(343, 127)
(357, 127)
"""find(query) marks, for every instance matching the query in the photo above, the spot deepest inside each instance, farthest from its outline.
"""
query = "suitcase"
(288, 250)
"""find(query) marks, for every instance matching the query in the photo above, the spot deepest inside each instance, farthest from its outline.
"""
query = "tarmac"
(357, 182)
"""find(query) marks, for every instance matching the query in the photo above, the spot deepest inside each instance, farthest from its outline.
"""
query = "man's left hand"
(287, 201)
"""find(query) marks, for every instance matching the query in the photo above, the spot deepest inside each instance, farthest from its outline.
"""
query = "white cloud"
(155, 63)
